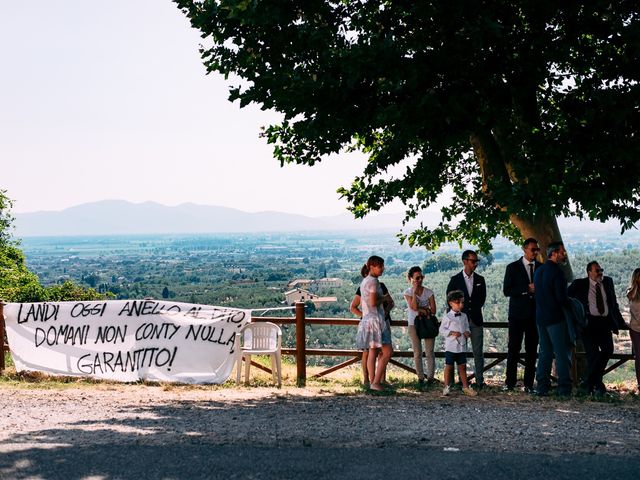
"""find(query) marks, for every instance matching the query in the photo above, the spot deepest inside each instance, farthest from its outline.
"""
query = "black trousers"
(598, 345)
(519, 329)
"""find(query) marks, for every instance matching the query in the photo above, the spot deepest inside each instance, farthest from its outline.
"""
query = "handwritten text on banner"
(125, 340)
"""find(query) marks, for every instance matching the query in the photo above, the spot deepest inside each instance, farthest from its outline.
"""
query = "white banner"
(125, 340)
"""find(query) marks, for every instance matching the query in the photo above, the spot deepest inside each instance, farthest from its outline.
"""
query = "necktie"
(531, 272)
(599, 299)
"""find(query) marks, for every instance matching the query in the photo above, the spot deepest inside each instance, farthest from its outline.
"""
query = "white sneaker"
(470, 392)
(446, 390)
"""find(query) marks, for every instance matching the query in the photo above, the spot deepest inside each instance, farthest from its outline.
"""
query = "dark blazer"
(579, 289)
(472, 304)
(522, 305)
(551, 294)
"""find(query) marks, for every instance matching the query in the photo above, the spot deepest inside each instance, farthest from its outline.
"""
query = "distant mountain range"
(119, 217)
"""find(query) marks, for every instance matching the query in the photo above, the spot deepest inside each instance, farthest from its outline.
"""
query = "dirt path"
(293, 417)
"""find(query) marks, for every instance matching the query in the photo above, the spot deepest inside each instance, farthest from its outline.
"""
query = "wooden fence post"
(2, 365)
(301, 346)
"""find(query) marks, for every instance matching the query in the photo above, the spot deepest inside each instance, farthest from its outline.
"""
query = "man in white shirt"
(518, 286)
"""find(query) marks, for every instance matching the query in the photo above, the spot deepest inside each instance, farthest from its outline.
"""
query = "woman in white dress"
(388, 304)
(373, 328)
(420, 300)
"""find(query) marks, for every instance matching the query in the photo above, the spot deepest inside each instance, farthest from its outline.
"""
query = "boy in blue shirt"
(455, 331)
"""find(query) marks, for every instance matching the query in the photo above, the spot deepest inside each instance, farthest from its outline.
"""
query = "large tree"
(525, 110)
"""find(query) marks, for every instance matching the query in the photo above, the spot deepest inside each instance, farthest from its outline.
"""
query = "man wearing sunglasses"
(598, 297)
(518, 286)
(475, 293)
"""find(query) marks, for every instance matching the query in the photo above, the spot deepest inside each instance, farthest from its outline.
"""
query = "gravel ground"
(140, 415)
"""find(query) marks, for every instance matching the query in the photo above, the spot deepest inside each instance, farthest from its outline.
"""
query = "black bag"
(427, 326)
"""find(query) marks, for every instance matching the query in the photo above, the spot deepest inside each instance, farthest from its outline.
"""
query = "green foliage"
(523, 110)
(5, 218)
(441, 263)
(69, 291)
(17, 282)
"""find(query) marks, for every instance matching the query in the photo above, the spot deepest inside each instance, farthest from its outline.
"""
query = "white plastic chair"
(260, 338)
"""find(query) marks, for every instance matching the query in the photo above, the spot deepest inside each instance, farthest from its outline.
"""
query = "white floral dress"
(373, 323)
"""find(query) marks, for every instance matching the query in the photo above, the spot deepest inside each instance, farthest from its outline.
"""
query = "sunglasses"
(599, 270)
(419, 277)
(472, 260)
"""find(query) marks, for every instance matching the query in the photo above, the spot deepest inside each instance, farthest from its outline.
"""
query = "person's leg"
(592, 353)
(381, 367)
(371, 363)
(429, 344)
(448, 373)
(477, 345)
(462, 373)
(530, 350)
(559, 336)
(514, 344)
(417, 352)
(605, 347)
(365, 370)
(635, 344)
(383, 360)
(545, 358)
(387, 349)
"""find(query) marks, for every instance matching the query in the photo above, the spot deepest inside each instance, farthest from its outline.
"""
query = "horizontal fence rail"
(301, 352)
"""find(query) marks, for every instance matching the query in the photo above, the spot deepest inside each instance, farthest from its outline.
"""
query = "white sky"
(108, 99)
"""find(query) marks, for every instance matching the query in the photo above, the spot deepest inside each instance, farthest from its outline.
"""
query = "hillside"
(119, 217)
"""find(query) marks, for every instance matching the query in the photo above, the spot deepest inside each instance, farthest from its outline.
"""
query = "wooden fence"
(301, 352)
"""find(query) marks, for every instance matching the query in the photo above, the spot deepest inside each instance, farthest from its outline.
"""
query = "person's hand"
(467, 334)
(532, 288)
(455, 334)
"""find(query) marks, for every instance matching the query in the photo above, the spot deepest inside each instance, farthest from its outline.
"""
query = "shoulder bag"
(427, 326)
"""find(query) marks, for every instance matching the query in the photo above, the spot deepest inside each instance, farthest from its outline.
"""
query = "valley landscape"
(253, 270)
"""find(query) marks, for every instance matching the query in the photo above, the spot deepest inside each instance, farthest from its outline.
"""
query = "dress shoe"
(528, 390)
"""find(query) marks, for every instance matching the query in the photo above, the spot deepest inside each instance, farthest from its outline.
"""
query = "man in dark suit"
(598, 297)
(551, 296)
(518, 286)
(475, 294)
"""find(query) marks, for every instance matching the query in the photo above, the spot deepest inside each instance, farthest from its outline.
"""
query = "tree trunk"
(491, 161)
(545, 230)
